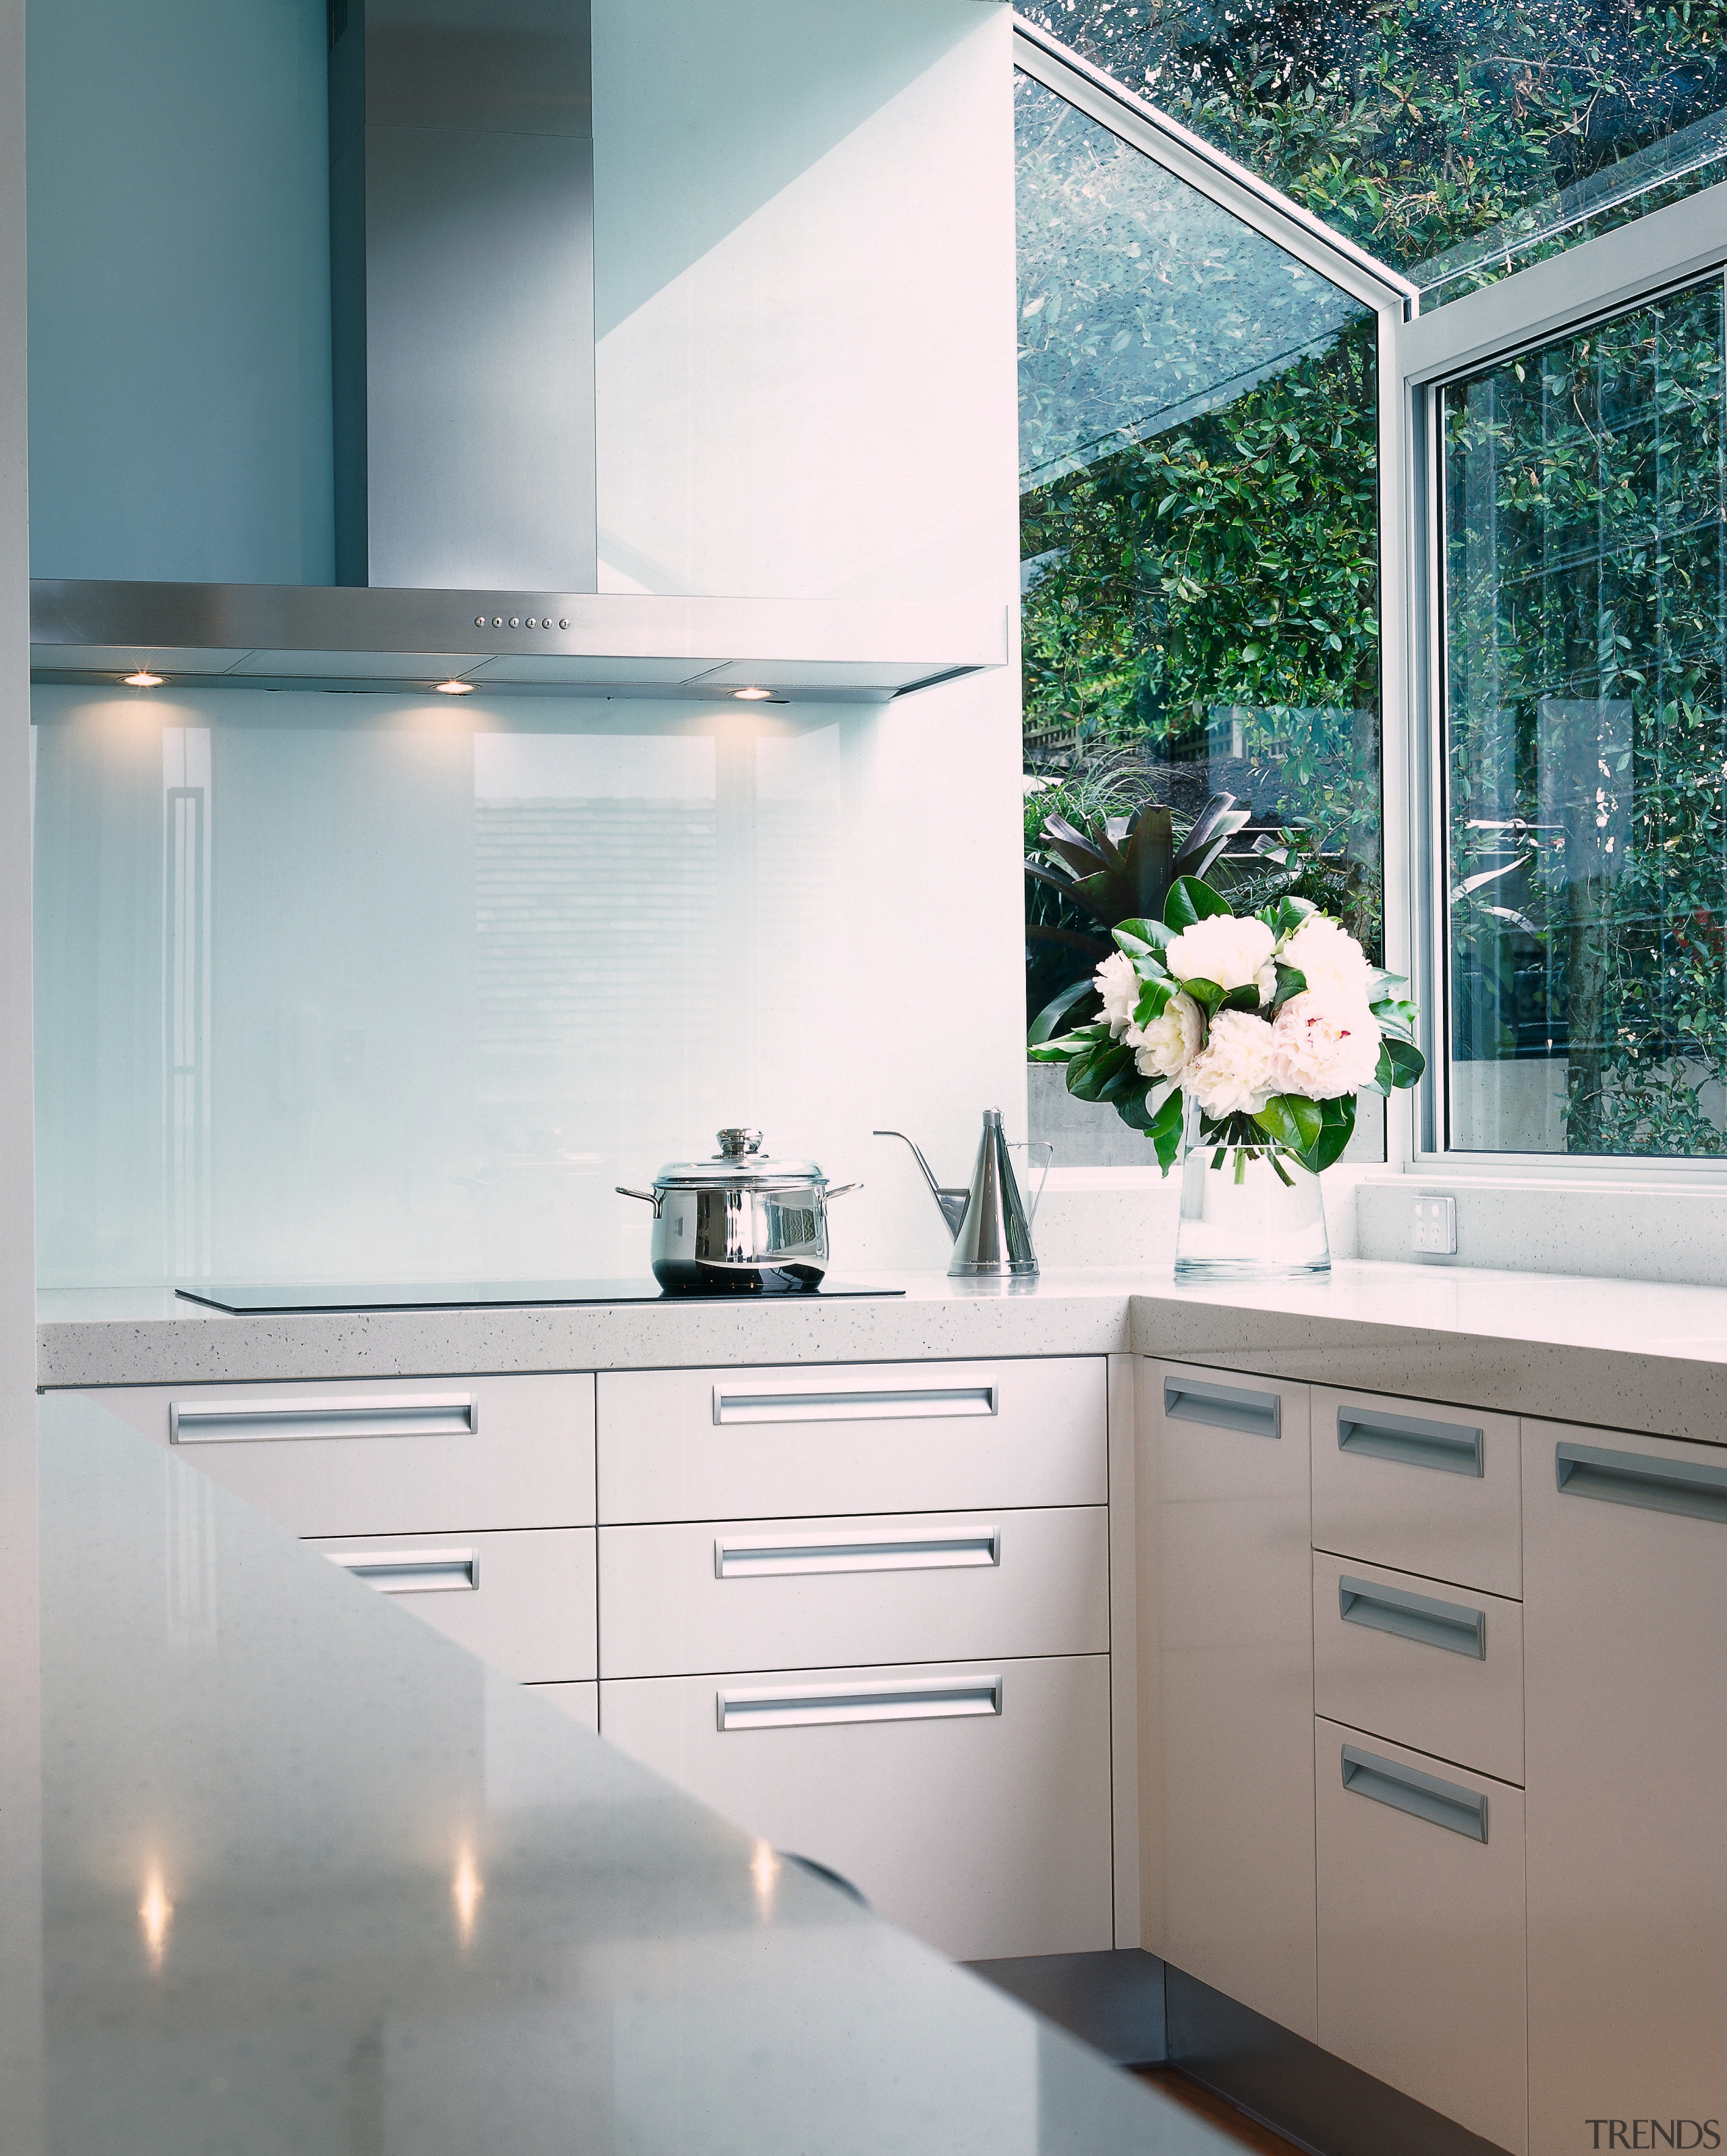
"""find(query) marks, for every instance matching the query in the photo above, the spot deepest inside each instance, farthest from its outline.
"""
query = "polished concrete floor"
(1246, 2132)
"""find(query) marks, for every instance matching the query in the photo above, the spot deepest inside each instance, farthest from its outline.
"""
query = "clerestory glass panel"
(1199, 548)
(1586, 740)
(1456, 140)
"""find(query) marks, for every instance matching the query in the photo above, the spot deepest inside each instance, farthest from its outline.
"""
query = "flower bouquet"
(1255, 1033)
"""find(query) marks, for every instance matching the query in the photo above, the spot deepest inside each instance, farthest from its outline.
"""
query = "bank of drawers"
(472, 1499)
(1418, 1752)
(800, 1624)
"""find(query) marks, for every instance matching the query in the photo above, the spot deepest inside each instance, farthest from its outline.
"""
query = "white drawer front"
(524, 1602)
(387, 1456)
(1420, 1964)
(852, 1588)
(869, 1437)
(1436, 1667)
(985, 1831)
(1419, 1487)
(580, 1702)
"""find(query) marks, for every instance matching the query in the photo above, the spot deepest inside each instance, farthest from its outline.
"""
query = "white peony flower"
(1324, 1046)
(1116, 981)
(1222, 949)
(1165, 1047)
(1333, 964)
(1233, 1073)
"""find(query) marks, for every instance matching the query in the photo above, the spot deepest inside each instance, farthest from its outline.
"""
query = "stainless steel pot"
(739, 1224)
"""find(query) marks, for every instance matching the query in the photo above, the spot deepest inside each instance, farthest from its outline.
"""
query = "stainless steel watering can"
(991, 1227)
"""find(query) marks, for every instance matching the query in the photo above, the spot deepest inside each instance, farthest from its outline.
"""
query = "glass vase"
(1248, 1211)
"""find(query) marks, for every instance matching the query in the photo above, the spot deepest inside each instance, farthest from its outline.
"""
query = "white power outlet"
(1433, 1226)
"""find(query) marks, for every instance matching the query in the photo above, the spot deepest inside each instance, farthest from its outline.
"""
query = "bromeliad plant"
(1272, 1024)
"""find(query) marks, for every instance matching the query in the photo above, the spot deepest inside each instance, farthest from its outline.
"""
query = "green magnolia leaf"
(1190, 901)
(1155, 1000)
(1069, 1047)
(1291, 981)
(1245, 998)
(1380, 983)
(1337, 1123)
(1205, 994)
(1397, 1017)
(1053, 1012)
(1286, 915)
(1293, 1120)
(1135, 1107)
(1385, 1074)
(1087, 1079)
(1137, 937)
(1408, 1062)
(1165, 1129)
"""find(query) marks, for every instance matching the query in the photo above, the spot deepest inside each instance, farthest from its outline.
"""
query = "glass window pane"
(1587, 744)
(1454, 142)
(1198, 449)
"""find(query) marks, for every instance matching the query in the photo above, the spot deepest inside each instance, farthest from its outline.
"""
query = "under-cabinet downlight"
(753, 695)
(453, 687)
(143, 679)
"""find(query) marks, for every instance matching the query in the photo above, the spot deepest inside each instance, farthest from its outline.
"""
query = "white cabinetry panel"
(852, 1588)
(867, 1437)
(523, 1602)
(1424, 1663)
(986, 1832)
(385, 1455)
(1421, 1948)
(1223, 1467)
(580, 1702)
(1626, 1654)
(1419, 1486)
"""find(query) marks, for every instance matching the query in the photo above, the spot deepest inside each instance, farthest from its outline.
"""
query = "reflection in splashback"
(332, 986)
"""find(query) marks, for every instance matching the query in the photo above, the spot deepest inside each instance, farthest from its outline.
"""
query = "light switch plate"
(1433, 1226)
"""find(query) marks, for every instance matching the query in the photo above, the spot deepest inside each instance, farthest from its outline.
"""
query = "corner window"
(1586, 740)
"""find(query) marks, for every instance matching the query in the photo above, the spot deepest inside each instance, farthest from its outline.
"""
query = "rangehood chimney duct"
(461, 224)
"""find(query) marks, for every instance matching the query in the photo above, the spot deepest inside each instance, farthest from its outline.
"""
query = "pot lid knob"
(739, 1144)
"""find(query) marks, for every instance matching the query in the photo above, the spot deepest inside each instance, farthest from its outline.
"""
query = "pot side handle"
(656, 1198)
(840, 1189)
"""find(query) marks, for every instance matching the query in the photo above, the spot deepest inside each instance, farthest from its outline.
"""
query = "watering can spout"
(988, 1221)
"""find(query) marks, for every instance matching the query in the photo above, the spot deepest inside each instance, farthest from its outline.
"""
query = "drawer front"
(1426, 1665)
(523, 1602)
(968, 1802)
(580, 1702)
(1420, 1961)
(388, 1456)
(1226, 1614)
(869, 1437)
(868, 1588)
(1419, 1487)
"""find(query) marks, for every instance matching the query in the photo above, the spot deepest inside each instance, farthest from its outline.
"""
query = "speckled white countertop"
(1629, 1354)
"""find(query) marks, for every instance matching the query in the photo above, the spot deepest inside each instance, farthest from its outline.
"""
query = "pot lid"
(739, 1161)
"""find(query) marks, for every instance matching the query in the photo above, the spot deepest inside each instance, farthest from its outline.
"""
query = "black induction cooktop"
(281, 1299)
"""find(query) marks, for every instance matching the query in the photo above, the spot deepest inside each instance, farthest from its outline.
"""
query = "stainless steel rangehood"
(461, 187)
(548, 644)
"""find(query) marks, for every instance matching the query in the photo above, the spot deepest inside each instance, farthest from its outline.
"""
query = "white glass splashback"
(327, 991)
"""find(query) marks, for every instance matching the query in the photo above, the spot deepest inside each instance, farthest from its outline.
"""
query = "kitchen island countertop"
(1634, 1354)
(313, 1880)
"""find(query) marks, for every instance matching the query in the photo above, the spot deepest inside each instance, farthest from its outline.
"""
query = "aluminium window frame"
(1682, 244)
(1395, 302)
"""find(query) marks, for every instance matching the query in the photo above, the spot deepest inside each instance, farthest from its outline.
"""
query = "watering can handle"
(1049, 1161)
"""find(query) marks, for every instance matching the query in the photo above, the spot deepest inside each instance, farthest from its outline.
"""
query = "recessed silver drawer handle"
(1634, 1478)
(1452, 1448)
(1451, 1625)
(868, 1404)
(888, 1700)
(1422, 1796)
(765, 1557)
(412, 1572)
(424, 1415)
(1224, 1406)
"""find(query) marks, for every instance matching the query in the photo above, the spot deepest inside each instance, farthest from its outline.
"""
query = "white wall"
(804, 271)
(20, 1836)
